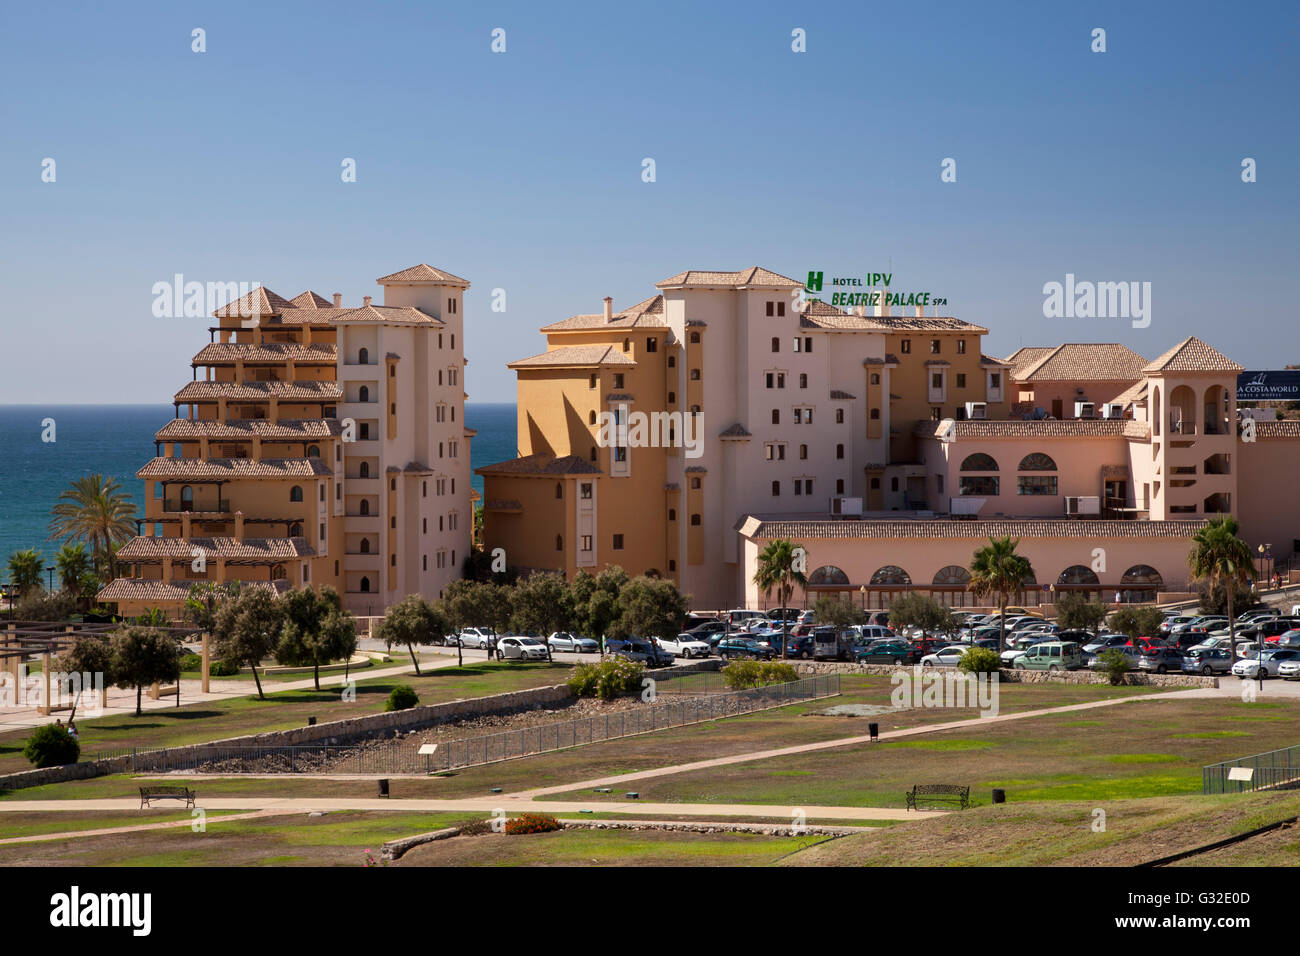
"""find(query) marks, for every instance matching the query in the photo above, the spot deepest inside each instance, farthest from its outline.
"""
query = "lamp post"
(863, 589)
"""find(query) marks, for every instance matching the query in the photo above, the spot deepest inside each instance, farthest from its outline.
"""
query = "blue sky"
(522, 170)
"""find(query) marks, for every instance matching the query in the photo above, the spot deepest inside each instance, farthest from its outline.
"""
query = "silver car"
(1268, 663)
(1207, 661)
(564, 641)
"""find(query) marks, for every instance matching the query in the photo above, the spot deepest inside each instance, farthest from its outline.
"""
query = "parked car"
(1104, 642)
(481, 637)
(948, 657)
(1207, 660)
(641, 650)
(1176, 621)
(1161, 658)
(1051, 656)
(888, 652)
(834, 644)
(732, 648)
(1259, 614)
(784, 613)
(685, 645)
(1133, 655)
(1274, 628)
(702, 631)
(800, 646)
(520, 648)
(564, 641)
(1200, 625)
(1289, 670)
(739, 616)
(1268, 661)
(1211, 643)
(869, 633)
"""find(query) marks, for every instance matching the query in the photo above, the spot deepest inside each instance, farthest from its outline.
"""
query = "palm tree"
(997, 570)
(25, 571)
(72, 563)
(1217, 557)
(778, 567)
(95, 511)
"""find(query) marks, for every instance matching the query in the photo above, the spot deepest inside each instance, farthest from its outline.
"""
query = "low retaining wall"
(1009, 676)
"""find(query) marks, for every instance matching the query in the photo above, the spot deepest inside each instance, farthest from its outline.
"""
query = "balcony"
(176, 506)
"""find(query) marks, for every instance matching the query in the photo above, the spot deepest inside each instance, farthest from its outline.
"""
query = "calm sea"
(116, 440)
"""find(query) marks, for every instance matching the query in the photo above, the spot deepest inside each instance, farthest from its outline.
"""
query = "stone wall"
(1009, 676)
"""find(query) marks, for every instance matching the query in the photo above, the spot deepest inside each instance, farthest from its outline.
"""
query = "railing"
(178, 505)
(402, 756)
(1275, 768)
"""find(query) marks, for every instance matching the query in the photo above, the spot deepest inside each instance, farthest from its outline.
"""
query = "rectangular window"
(618, 542)
(586, 489)
(961, 346)
(780, 308)
(984, 485)
(934, 346)
(776, 489)
(1036, 485)
(586, 542)
(798, 345)
(995, 380)
(961, 379)
(936, 380)
(905, 346)
(807, 344)
(771, 308)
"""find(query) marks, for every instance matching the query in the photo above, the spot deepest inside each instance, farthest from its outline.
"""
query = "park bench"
(938, 791)
(166, 793)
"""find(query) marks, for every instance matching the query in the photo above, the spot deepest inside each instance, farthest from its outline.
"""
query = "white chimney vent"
(609, 308)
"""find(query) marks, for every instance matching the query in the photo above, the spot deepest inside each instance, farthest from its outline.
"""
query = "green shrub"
(476, 828)
(221, 668)
(741, 675)
(611, 678)
(980, 660)
(51, 746)
(1116, 664)
(533, 823)
(402, 697)
(191, 662)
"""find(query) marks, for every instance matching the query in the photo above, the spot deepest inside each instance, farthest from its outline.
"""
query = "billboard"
(1281, 386)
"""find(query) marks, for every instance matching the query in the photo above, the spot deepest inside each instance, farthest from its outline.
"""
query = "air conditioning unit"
(1113, 410)
(1085, 410)
(977, 411)
(846, 506)
(1084, 505)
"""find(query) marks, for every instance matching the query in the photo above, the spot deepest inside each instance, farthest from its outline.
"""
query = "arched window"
(187, 498)
(559, 542)
(313, 451)
(365, 507)
(278, 573)
(295, 493)
(365, 585)
(1141, 582)
(591, 417)
(363, 394)
(364, 470)
(694, 338)
(954, 575)
(828, 576)
(363, 357)
(979, 462)
(559, 489)
(1078, 574)
(891, 574)
(1037, 462)
(365, 545)
(672, 361)
(875, 378)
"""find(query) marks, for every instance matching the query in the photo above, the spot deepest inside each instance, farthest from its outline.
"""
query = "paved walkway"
(108, 831)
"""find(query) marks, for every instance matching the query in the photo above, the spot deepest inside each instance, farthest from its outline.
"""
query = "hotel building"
(317, 444)
(889, 447)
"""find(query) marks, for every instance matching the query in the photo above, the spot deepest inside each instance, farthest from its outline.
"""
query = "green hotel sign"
(843, 291)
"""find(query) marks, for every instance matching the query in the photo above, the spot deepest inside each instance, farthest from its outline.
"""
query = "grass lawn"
(1063, 834)
(608, 848)
(333, 839)
(33, 824)
(197, 723)
(1144, 749)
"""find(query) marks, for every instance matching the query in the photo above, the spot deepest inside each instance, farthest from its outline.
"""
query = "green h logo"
(814, 283)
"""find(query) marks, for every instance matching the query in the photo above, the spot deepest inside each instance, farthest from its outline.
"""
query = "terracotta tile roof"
(1023, 358)
(387, 314)
(841, 396)
(261, 301)
(1015, 428)
(735, 431)
(233, 468)
(988, 361)
(1081, 361)
(222, 353)
(1137, 392)
(706, 279)
(139, 589)
(644, 315)
(541, 464)
(575, 355)
(753, 526)
(424, 273)
(1193, 355)
(260, 391)
(818, 314)
(311, 300)
(266, 549)
(238, 429)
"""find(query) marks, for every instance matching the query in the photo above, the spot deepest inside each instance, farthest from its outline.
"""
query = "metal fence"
(402, 756)
(1273, 769)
